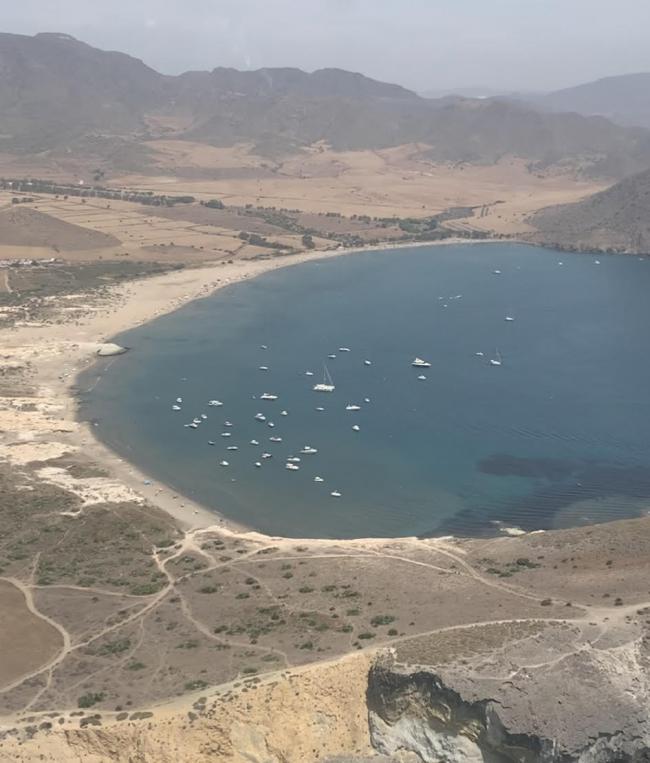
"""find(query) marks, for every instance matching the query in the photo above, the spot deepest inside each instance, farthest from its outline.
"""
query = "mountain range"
(57, 92)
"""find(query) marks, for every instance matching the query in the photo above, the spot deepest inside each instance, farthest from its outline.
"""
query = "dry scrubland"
(135, 625)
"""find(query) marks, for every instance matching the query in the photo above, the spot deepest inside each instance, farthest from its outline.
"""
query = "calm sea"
(557, 435)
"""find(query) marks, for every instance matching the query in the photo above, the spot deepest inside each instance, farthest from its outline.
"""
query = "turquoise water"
(558, 435)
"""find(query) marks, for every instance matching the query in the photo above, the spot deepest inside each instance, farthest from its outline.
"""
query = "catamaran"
(327, 384)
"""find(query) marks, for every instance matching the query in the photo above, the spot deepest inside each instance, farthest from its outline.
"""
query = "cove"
(558, 435)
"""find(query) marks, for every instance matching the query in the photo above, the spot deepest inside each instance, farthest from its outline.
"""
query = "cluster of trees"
(256, 240)
(65, 190)
(213, 204)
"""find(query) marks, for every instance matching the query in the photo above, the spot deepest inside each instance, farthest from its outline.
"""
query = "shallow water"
(558, 435)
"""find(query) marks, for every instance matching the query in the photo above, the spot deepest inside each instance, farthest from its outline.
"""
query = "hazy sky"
(423, 44)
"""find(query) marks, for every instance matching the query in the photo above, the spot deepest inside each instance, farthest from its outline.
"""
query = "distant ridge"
(624, 99)
(59, 94)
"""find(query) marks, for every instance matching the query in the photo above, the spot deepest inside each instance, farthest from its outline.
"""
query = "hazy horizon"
(503, 46)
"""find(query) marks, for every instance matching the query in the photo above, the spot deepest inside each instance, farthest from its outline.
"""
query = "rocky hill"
(616, 219)
(57, 93)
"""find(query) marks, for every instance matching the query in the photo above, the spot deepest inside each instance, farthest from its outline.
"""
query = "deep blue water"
(559, 435)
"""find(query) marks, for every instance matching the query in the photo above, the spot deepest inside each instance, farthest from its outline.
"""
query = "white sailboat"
(496, 361)
(292, 467)
(335, 494)
(176, 407)
(352, 407)
(308, 450)
(215, 403)
(419, 363)
(327, 384)
(268, 396)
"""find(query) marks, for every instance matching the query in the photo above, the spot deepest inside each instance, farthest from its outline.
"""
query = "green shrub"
(382, 620)
(90, 699)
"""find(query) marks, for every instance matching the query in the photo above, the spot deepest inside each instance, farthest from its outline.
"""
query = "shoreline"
(191, 514)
